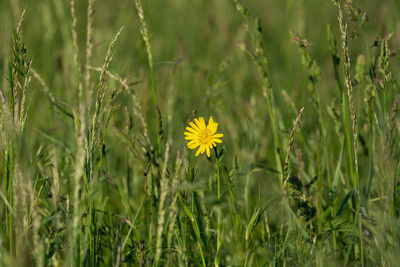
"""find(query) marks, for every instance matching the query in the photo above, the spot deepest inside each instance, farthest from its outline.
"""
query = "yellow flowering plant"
(202, 136)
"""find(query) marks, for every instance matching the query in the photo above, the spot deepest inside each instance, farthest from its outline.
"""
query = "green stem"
(10, 198)
(218, 213)
(195, 226)
(91, 232)
(346, 121)
(201, 254)
(246, 259)
(271, 112)
(153, 85)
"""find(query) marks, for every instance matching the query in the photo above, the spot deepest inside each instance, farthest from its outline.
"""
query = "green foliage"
(95, 97)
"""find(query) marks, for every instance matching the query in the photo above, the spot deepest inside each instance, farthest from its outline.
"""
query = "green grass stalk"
(219, 225)
(146, 39)
(260, 60)
(349, 87)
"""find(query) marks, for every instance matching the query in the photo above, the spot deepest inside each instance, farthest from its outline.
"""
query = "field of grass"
(95, 97)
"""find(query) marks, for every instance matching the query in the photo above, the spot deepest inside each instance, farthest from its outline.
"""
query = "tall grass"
(95, 169)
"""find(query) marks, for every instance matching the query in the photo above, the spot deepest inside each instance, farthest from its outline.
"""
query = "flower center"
(205, 137)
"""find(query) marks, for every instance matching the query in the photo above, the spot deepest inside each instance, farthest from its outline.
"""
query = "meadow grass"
(95, 99)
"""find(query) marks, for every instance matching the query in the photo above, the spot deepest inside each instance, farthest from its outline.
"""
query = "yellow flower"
(203, 136)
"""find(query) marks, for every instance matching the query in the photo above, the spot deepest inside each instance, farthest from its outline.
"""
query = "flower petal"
(210, 122)
(217, 140)
(193, 144)
(208, 151)
(198, 123)
(217, 135)
(190, 134)
(203, 148)
(212, 126)
(197, 152)
(200, 150)
(202, 123)
(191, 137)
(194, 126)
(192, 130)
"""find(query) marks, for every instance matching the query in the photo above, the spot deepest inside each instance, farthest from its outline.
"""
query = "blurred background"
(198, 65)
(196, 56)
